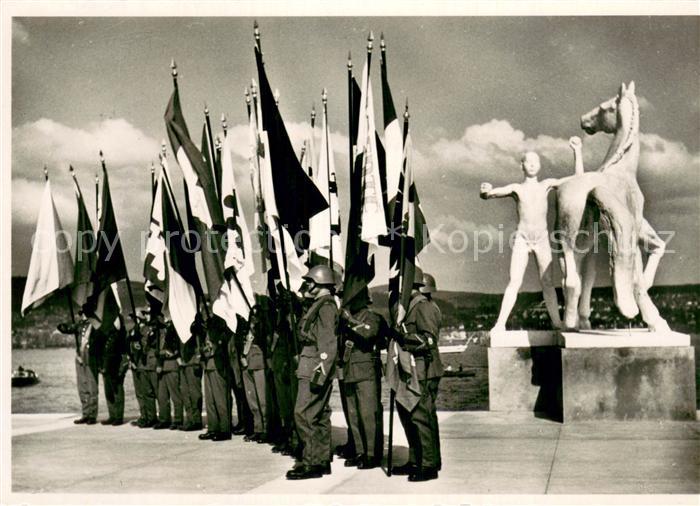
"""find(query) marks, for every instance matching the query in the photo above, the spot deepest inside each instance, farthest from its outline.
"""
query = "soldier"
(214, 336)
(137, 359)
(419, 336)
(428, 288)
(148, 368)
(191, 383)
(362, 335)
(113, 366)
(244, 424)
(253, 370)
(168, 370)
(85, 365)
(281, 353)
(317, 335)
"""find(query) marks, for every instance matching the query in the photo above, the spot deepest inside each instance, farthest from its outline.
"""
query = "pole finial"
(46, 173)
(406, 115)
(370, 40)
(206, 109)
(349, 61)
(256, 31)
(247, 95)
(153, 168)
(224, 124)
(173, 67)
(313, 113)
(253, 88)
(324, 97)
(382, 44)
(277, 97)
(102, 156)
(163, 149)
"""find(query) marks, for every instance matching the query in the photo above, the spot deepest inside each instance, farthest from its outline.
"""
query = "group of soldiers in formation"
(281, 378)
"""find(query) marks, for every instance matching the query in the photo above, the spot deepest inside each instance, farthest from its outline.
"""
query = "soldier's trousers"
(285, 388)
(350, 445)
(148, 381)
(254, 384)
(191, 388)
(364, 417)
(217, 395)
(114, 395)
(138, 391)
(87, 388)
(312, 416)
(421, 427)
(169, 392)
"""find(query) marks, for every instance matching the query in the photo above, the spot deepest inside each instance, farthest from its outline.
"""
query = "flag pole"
(128, 281)
(260, 206)
(324, 98)
(153, 183)
(212, 150)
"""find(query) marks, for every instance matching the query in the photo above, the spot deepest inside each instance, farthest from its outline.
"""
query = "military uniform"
(191, 383)
(148, 372)
(114, 364)
(315, 374)
(169, 379)
(362, 336)
(244, 424)
(253, 371)
(422, 326)
(86, 367)
(281, 357)
(136, 359)
(217, 386)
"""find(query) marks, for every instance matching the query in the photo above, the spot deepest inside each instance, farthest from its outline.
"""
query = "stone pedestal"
(627, 375)
(525, 372)
(593, 375)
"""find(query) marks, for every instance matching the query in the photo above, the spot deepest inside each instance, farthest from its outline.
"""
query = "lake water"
(57, 391)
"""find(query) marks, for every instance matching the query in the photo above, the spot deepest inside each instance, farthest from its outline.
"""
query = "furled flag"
(50, 266)
(85, 256)
(393, 140)
(181, 274)
(154, 262)
(324, 228)
(110, 265)
(291, 197)
(237, 295)
(414, 233)
(202, 196)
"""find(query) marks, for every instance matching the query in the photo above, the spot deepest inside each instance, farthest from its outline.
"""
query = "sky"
(481, 90)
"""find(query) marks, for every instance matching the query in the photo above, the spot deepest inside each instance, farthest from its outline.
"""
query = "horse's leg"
(650, 240)
(589, 272)
(650, 314)
(618, 219)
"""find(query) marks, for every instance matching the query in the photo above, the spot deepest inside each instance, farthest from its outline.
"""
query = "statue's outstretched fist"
(575, 142)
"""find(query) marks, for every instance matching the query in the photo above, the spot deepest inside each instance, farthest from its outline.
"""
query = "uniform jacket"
(317, 336)
(114, 349)
(168, 349)
(189, 352)
(423, 318)
(365, 329)
(214, 346)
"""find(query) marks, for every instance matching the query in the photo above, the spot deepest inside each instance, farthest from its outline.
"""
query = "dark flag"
(296, 196)
(85, 257)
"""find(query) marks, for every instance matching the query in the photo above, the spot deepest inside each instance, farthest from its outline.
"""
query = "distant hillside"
(680, 305)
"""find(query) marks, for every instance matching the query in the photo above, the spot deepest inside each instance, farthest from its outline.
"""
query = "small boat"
(458, 373)
(24, 377)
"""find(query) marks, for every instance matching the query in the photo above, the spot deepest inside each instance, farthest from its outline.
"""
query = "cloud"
(46, 141)
(19, 33)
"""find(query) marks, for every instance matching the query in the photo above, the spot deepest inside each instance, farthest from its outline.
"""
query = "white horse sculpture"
(611, 196)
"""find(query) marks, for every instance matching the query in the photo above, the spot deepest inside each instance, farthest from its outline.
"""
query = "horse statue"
(610, 196)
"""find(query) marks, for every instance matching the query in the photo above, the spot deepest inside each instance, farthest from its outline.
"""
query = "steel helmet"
(321, 275)
(429, 285)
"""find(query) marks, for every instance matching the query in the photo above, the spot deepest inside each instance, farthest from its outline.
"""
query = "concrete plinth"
(524, 376)
(645, 383)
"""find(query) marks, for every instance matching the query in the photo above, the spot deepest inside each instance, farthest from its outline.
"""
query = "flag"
(50, 265)
(414, 233)
(324, 228)
(291, 197)
(202, 196)
(110, 265)
(373, 218)
(154, 261)
(236, 295)
(85, 254)
(393, 138)
(181, 274)
(296, 197)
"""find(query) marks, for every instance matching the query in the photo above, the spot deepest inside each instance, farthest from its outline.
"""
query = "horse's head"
(605, 117)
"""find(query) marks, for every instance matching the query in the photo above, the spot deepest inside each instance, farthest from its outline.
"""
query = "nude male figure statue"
(532, 234)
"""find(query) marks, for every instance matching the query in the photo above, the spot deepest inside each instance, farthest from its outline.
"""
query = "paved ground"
(483, 453)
